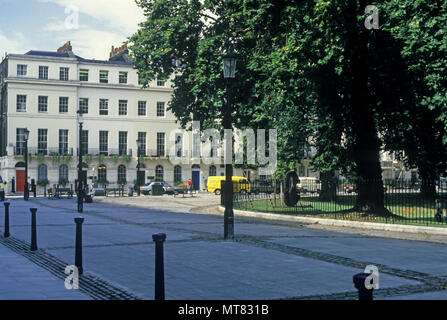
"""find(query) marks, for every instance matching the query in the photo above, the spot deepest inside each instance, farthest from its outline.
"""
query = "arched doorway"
(102, 174)
(141, 174)
(195, 176)
(20, 176)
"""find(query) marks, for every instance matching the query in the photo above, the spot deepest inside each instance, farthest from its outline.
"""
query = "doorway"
(20, 177)
(196, 180)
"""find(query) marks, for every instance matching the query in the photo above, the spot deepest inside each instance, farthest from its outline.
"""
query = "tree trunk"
(366, 144)
(328, 186)
(428, 186)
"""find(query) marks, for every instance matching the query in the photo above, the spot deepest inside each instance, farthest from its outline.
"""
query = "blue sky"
(42, 25)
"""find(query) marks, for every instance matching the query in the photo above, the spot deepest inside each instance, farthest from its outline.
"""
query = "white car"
(147, 189)
(308, 184)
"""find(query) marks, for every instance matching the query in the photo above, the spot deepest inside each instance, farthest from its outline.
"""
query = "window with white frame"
(142, 144)
(141, 108)
(160, 109)
(42, 141)
(122, 143)
(104, 142)
(63, 141)
(104, 76)
(63, 104)
(20, 141)
(103, 107)
(83, 75)
(63, 74)
(83, 105)
(161, 83)
(43, 72)
(21, 103)
(122, 108)
(42, 104)
(123, 77)
(21, 70)
(160, 144)
(84, 142)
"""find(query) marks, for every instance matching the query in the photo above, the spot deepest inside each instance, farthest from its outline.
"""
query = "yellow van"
(240, 184)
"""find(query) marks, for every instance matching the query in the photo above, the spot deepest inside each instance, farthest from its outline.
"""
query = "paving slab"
(267, 260)
(415, 255)
(22, 279)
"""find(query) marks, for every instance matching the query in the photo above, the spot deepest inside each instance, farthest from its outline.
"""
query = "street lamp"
(80, 191)
(139, 144)
(229, 70)
(26, 188)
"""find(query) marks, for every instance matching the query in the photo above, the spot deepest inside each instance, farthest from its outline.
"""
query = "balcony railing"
(107, 153)
(34, 151)
(20, 151)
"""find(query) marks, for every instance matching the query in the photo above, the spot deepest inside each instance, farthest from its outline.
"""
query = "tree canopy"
(313, 71)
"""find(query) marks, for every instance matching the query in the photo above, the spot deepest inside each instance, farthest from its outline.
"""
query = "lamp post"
(229, 70)
(139, 143)
(26, 189)
(80, 191)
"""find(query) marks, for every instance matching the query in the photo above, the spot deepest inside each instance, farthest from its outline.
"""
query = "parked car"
(350, 188)
(147, 188)
(308, 184)
(169, 189)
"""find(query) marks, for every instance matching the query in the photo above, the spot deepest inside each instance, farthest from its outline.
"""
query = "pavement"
(266, 260)
(22, 279)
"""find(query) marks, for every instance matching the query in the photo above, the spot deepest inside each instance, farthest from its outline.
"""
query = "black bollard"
(159, 238)
(33, 187)
(33, 229)
(6, 233)
(359, 283)
(78, 250)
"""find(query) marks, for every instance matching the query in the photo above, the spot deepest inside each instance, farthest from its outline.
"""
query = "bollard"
(33, 229)
(159, 238)
(78, 249)
(6, 233)
(33, 188)
(359, 283)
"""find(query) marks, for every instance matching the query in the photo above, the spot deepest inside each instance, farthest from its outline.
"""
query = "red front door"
(20, 180)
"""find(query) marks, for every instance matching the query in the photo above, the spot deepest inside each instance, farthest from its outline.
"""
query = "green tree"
(420, 28)
(197, 34)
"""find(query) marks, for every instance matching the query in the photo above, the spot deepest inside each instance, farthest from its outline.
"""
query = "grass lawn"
(407, 209)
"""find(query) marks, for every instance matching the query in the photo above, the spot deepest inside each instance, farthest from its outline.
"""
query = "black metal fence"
(403, 201)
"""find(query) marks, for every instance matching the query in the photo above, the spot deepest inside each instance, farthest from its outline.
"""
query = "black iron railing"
(399, 202)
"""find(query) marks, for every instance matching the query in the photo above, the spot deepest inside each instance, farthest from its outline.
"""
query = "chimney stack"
(66, 47)
(118, 50)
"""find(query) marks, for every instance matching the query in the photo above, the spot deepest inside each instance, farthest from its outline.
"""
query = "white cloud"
(55, 25)
(15, 43)
(123, 15)
(90, 43)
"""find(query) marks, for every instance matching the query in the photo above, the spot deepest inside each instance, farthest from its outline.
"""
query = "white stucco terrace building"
(41, 91)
